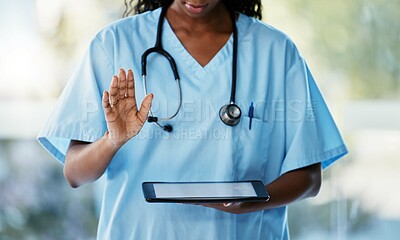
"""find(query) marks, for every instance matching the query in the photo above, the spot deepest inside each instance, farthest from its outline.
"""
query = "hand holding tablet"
(205, 192)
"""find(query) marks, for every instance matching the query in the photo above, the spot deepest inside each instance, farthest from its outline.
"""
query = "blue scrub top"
(291, 128)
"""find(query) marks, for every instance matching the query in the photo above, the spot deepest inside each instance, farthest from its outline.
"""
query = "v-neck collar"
(222, 56)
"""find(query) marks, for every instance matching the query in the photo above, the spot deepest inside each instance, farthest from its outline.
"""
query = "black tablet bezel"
(149, 193)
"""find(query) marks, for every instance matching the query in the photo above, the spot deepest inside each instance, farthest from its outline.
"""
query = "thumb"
(145, 107)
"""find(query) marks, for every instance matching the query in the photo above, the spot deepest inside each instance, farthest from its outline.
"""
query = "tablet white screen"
(204, 190)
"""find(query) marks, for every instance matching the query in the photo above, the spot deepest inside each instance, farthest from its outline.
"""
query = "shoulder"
(257, 30)
(267, 39)
(129, 26)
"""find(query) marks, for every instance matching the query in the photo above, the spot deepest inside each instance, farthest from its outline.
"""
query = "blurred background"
(352, 47)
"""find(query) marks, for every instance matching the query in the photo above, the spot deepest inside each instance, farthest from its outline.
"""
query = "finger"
(219, 206)
(145, 108)
(210, 205)
(232, 204)
(130, 85)
(114, 91)
(122, 84)
(106, 102)
(131, 91)
(227, 204)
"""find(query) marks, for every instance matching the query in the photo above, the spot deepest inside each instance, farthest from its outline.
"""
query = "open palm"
(124, 121)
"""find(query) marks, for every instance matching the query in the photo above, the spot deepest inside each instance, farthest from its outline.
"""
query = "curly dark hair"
(252, 8)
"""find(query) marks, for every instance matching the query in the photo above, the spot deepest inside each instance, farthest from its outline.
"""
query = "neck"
(217, 20)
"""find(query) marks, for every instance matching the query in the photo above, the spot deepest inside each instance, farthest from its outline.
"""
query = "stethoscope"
(229, 113)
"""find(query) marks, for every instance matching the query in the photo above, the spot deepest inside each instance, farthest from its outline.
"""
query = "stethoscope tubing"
(144, 78)
(225, 116)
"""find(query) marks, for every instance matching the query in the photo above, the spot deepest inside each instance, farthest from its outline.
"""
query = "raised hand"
(124, 121)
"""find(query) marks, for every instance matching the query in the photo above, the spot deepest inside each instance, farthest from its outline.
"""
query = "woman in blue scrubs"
(99, 125)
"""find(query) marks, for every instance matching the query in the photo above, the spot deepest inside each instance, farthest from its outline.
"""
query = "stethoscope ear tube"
(164, 53)
(154, 119)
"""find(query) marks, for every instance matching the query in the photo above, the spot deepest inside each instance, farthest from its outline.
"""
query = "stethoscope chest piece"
(230, 114)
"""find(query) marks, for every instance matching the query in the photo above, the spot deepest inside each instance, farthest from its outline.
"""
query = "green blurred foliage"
(360, 39)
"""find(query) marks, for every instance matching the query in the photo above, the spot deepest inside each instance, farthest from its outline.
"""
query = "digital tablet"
(205, 192)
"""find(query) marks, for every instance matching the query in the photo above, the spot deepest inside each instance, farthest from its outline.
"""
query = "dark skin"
(202, 37)
(203, 28)
(290, 187)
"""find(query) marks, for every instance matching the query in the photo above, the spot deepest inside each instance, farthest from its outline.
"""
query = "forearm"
(288, 188)
(291, 187)
(86, 162)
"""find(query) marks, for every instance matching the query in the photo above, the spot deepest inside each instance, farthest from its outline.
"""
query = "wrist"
(112, 141)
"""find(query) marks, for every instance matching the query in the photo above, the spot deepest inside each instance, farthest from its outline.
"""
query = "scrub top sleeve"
(78, 114)
(311, 133)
